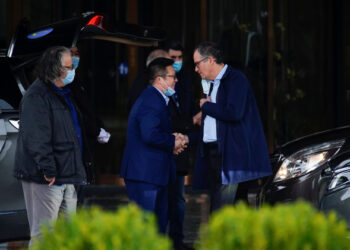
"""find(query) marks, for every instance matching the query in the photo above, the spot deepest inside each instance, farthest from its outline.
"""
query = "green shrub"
(295, 226)
(129, 228)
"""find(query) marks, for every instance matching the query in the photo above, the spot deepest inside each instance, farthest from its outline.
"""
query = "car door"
(13, 217)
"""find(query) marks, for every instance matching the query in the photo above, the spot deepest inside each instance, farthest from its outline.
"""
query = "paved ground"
(197, 206)
(110, 197)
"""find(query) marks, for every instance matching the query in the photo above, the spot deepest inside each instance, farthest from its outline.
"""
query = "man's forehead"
(74, 51)
(175, 52)
(67, 59)
(196, 54)
(170, 69)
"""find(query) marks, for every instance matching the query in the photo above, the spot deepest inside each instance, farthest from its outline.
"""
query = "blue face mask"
(75, 61)
(69, 77)
(177, 66)
(169, 92)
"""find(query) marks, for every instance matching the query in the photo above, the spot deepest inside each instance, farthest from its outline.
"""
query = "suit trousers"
(177, 207)
(45, 203)
(220, 194)
(150, 197)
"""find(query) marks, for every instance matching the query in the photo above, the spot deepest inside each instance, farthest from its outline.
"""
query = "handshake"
(181, 142)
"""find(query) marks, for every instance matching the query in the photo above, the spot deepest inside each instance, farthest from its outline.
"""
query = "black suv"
(16, 64)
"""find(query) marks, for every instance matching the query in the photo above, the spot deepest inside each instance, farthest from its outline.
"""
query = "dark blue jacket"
(148, 156)
(240, 133)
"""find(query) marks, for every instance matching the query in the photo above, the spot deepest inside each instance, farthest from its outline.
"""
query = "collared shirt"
(165, 97)
(209, 129)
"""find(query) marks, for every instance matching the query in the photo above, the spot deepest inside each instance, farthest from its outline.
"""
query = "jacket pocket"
(64, 155)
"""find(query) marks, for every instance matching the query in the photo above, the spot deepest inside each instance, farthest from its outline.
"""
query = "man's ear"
(159, 81)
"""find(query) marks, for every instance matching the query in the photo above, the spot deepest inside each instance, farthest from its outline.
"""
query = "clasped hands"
(181, 142)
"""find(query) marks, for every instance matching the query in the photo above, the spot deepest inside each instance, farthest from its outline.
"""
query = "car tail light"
(97, 21)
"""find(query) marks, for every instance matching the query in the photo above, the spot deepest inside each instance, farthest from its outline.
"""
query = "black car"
(314, 168)
(16, 64)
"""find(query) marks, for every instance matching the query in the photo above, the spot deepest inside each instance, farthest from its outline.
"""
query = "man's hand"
(184, 138)
(204, 100)
(50, 180)
(197, 119)
(181, 142)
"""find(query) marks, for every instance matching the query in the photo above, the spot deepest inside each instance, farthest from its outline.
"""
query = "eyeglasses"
(173, 76)
(69, 67)
(196, 64)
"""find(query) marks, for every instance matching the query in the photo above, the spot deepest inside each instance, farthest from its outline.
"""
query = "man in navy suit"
(148, 164)
(232, 140)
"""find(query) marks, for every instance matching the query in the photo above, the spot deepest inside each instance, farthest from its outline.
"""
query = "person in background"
(49, 155)
(181, 107)
(148, 165)
(232, 140)
(93, 126)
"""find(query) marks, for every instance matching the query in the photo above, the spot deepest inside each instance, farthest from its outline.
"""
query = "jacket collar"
(161, 95)
(221, 73)
(52, 87)
(228, 70)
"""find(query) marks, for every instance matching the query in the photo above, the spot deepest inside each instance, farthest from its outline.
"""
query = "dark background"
(307, 80)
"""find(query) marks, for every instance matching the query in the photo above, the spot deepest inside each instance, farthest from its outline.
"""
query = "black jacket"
(182, 116)
(91, 123)
(47, 142)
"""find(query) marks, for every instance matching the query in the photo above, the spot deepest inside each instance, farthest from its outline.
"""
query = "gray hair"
(206, 49)
(50, 66)
(156, 54)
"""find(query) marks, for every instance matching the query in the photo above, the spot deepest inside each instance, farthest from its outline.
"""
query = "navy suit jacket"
(240, 134)
(148, 156)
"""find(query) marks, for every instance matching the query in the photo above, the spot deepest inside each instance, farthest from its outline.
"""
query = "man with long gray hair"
(49, 159)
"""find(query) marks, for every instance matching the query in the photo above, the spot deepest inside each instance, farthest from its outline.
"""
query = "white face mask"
(75, 60)
(205, 86)
(69, 77)
(169, 91)
(177, 66)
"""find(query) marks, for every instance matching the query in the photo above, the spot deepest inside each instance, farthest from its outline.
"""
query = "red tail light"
(97, 21)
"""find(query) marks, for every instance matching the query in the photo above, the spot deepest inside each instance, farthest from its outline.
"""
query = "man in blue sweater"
(232, 141)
